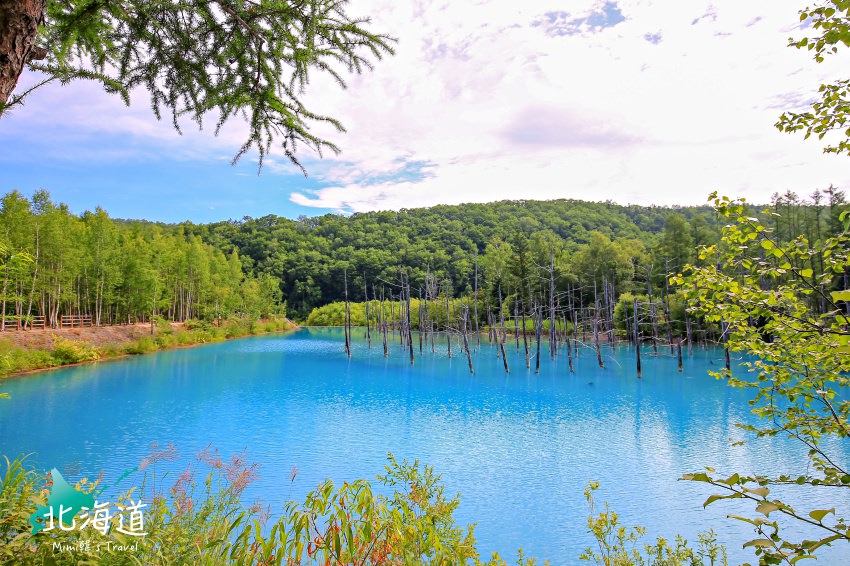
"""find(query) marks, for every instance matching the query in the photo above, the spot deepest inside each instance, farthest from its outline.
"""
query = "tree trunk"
(366, 302)
(464, 323)
(636, 330)
(448, 318)
(502, 337)
(345, 319)
(34, 276)
(409, 324)
(475, 306)
(19, 21)
(553, 349)
(3, 307)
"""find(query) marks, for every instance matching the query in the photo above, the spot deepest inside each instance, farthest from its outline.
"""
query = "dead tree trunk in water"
(384, 325)
(448, 318)
(392, 315)
(430, 293)
(490, 326)
(346, 315)
(502, 337)
(409, 324)
(464, 324)
(553, 349)
(516, 320)
(688, 330)
(475, 311)
(606, 325)
(667, 306)
(679, 353)
(612, 294)
(421, 327)
(652, 313)
(636, 336)
(575, 333)
(366, 295)
(524, 337)
(596, 335)
(538, 327)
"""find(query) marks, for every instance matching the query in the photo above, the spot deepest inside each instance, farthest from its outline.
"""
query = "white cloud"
(482, 102)
(504, 110)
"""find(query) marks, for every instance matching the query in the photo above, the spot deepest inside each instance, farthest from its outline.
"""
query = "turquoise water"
(519, 448)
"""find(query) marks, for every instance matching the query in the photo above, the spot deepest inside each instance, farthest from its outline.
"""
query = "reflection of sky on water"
(519, 448)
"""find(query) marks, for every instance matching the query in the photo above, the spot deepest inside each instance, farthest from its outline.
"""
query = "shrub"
(233, 329)
(144, 345)
(194, 324)
(207, 524)
(71, 351)
(13, 360)
(162, 325)
(618, 544)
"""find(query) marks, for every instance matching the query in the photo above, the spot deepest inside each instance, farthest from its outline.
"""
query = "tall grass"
(200, 519)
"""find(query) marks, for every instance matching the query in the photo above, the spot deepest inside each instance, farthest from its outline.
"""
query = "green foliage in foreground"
(16, 360)
(617, 545)
(192, 523)
(779, 305)
(207, 524)
(829, 20)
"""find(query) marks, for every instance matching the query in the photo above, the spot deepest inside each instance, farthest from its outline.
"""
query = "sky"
(634, 101)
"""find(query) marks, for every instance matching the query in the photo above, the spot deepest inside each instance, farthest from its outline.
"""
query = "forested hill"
(311, 255)
(55, 262)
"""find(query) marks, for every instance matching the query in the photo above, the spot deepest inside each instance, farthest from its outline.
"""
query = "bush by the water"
(73, 351)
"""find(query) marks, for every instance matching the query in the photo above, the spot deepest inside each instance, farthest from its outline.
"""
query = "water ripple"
(519, 448)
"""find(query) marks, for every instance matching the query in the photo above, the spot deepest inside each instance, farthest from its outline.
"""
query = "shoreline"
(177, 338)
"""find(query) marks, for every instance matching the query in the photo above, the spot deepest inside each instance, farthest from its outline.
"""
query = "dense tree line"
(54, 263)
(529, 252)
(444, 243)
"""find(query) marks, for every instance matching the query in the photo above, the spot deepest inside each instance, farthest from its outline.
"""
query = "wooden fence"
(74, 321)
(40, 322)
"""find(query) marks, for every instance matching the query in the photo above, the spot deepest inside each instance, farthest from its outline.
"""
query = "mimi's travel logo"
(69, 509)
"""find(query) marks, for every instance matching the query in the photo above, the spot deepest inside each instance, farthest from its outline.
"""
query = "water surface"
(520, 448)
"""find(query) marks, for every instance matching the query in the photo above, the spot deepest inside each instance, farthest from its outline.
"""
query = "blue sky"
(636, 101)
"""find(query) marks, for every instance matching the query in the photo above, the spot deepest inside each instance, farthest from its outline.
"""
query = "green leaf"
(840, 295)
(806, 272)
(819, 514)
(760, 491)
(766, 507)
(731, 480)
(759, 542)
(712, 498)
(767, 244)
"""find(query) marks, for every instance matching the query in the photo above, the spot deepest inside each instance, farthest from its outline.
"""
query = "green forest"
(56, 262)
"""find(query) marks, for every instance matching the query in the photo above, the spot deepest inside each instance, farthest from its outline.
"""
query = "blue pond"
(519, 448)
